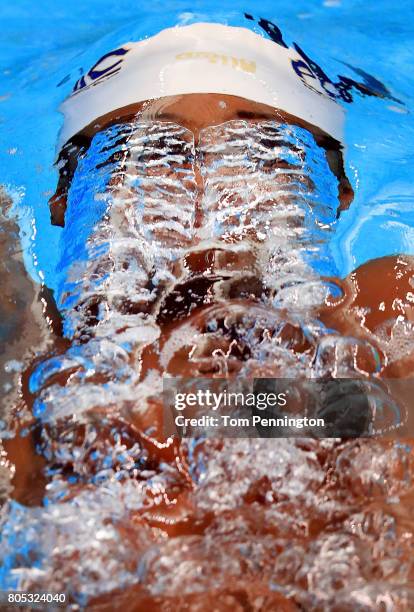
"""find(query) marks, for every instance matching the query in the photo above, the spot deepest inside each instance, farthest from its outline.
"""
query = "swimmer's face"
(194, 112)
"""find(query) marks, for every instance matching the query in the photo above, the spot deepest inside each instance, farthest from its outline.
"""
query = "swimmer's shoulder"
(378, 304)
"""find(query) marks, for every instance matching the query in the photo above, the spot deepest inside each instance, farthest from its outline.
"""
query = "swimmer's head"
(197, 76)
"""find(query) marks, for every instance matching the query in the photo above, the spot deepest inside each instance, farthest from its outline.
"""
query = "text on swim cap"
(225, 60)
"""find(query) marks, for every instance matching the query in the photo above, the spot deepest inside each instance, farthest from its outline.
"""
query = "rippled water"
(105, 508)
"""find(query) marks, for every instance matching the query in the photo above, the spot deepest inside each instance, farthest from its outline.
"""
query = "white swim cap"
(201, 58)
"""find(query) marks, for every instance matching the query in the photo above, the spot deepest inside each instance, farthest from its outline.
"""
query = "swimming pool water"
(48, 45)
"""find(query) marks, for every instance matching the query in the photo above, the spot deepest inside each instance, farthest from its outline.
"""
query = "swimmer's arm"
(26, 331)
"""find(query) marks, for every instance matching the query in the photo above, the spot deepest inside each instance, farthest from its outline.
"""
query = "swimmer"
(213, 234)
(197, 202)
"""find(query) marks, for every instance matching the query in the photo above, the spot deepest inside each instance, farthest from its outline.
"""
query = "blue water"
(47, 45)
